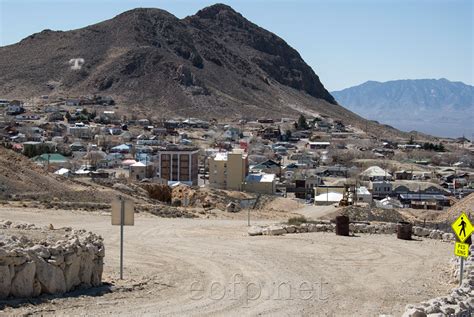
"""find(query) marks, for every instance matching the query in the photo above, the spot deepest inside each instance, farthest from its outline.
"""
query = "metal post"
(122, 219)
(461, 271)
(248, 217)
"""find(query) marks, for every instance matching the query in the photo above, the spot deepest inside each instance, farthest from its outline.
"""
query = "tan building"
(179, 164)
(227, 170)
(139, 171)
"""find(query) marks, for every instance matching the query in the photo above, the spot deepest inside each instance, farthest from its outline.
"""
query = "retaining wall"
(31, 264)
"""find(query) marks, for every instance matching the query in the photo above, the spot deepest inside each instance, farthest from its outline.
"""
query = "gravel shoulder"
(212, 267)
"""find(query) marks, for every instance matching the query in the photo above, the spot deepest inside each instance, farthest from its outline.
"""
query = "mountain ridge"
(438, 106)
(213, 64)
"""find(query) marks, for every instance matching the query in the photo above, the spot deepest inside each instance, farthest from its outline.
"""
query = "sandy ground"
(212, 267)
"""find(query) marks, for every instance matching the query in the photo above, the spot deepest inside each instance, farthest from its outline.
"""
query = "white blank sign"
(129, 213)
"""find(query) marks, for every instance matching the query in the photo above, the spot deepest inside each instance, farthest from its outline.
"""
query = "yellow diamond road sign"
(462, 227)
(461, 249)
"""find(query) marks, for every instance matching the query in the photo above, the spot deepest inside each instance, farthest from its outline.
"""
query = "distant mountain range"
(435, 106)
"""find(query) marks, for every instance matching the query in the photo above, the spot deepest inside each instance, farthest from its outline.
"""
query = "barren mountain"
(436, 106)
(212, 64)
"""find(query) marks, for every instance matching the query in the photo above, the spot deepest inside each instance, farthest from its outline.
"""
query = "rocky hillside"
(213, 59)
(20, 179)
(213, 64)
(438, 107)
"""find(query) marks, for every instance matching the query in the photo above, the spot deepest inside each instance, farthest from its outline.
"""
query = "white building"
(363, 195)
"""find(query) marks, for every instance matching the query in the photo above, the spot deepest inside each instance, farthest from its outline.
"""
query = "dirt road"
(212, 267)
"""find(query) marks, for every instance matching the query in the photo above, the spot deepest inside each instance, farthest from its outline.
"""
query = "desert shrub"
(297, 220)
(159, 192)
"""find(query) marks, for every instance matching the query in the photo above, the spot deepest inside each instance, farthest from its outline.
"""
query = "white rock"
(50, 276)
(274, 230)
(413, 312)
(255, 231)
(5, 281)
(22, 283)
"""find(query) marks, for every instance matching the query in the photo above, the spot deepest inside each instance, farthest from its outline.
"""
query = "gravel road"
(212, 267)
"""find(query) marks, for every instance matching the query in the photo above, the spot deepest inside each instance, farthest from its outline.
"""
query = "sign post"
(123, 214)
(462, 227)
(248, 217)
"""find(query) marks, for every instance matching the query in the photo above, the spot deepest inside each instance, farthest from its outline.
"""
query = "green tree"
(302, 124)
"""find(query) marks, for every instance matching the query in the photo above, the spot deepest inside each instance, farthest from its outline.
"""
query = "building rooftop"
(260, 178)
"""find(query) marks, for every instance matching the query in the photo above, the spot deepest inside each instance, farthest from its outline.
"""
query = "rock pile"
(327, 226)
(459, 303)
(35, 263)
(279, 229)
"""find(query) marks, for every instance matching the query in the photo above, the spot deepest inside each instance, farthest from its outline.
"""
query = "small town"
(162, 158)
(316, 159)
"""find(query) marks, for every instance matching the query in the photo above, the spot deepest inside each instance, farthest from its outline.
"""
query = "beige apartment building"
(227, 170)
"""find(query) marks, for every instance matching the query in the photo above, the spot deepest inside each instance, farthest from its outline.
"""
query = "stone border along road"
(366, 275)
(459, 303)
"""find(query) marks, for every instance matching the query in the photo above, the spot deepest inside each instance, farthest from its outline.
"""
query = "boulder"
(414, 312)
(274, 230)
(41, 250)
(448, 236)
(5, 281)
(255, 231)
(22, 283)
(71, 274)
(85, 271)
(50, 276)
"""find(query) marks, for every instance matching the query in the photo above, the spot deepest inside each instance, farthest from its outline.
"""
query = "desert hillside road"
(212, 267)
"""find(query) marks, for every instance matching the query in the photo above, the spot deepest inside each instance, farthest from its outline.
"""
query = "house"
(375, 173)
(50, 159)
(111, 160)
(260, 183)
(73, 102)
(179, 164)
(160, 131)
(388, 203)
(265, 120)
(304, 188)
(268, 166)
(332, 171)
(408, 147)
(328, 198)
(27, 116)
(380, 188)
(269, 133)
(63, 172)
(77, 146)
(323, 125)
(403, 174)
(139, 171)
(228, 170)
(280, 150)
(424, 201)
(318, 145)
(417, 187)
(363, 194)
(79, 130)
(122, 148)
(4, 103)
(15, 109)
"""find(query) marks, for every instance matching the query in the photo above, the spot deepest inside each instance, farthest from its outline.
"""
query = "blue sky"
(347, 42)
